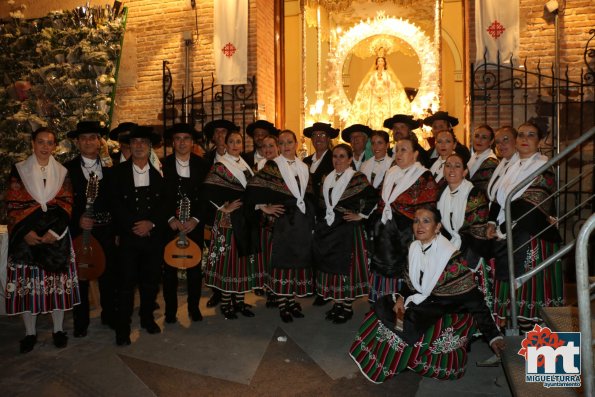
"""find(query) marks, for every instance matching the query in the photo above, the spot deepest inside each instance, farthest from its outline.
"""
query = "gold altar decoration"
(381, 26)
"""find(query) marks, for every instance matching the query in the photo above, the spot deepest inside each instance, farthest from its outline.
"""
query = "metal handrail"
(508, 214)
(584, 304)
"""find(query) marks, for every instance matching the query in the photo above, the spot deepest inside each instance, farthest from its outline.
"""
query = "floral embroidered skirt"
(225, 269)
(352, 285)
(483, 274)
(440, 353)
(381, 285)
(32, 289)
(545, 289)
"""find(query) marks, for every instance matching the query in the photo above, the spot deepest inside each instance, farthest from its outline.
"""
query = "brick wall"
(265, 56)
(537, 33)
(154, 33)
(537, 46)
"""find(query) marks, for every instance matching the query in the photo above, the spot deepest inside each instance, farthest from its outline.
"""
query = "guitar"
(182, 252)
(90, 258)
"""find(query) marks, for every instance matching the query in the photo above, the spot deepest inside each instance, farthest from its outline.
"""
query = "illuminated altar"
(342, 37)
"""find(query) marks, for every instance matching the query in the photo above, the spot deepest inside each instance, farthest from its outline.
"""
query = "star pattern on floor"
(285, 369)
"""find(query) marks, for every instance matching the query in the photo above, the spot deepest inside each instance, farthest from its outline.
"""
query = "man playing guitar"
(183, 173)
(87, 137)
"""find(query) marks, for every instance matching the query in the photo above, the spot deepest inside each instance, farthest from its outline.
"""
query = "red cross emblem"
(496, 29)
(229, 50)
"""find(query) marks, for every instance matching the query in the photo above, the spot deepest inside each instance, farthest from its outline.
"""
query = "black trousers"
(139, 263)
(107, 283)
(170, 288)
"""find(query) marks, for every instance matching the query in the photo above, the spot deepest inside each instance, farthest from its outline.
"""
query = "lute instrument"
(182, 252)
(90, 258)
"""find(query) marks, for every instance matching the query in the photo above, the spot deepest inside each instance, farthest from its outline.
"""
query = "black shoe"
(296, 311)
(195, 315)
(229, 312)
(214, 300)
(259, 292)
(319, 301)
(243, 308)
(343, 317)
(334, 312)
(171, 318)
(272, 301)
(122, 339)
(26, 344)
(151, 326)
(80, 333)
(60, 339)
(286, 316)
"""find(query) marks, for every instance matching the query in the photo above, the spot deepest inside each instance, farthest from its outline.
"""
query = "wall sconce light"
(552, 6)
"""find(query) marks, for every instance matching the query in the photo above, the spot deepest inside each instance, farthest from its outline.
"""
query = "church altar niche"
(366, 61)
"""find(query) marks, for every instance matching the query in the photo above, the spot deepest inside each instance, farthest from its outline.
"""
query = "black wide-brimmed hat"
(142, 132)
(346, 133)
(209, 128)
(263, 124)
(324, 127)
(180, 128)
(402, 118)
(87, 127)
(440, 115)
(121, 130)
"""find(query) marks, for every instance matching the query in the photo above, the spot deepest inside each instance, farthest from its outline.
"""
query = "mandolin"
(89, 255)
(182, 252)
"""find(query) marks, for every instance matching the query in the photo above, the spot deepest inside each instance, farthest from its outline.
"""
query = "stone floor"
(260, 356)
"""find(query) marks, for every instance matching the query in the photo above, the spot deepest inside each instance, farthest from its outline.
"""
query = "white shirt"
(141, 175)
(183, 168)
(91, 165)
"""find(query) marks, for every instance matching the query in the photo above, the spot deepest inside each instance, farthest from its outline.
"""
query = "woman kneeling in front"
(427, 326)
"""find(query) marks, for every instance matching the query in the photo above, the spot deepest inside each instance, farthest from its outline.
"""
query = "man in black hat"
(183, 174)
(215, 132)
(320, 164)
(258, 130)
(402, 126)
(321, 161)
(357, 135)
(118, 134)
(87, 137)
(443, 121)
(137, 208)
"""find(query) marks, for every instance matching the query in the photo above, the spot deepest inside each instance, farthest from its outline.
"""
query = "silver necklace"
(134, 167)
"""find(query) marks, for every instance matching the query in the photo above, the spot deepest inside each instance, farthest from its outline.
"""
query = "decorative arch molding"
(428, 92)
(456, 54)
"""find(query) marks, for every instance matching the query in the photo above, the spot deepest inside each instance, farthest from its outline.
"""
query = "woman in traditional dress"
(270, 149)
(535, 237)
(339, 247)
(505, 140)
(483, 160)
(279, 192)
(464, 211)
(427, 326)
(231, 265)
(406, 186)
(41, 272)
(375, 168)
(379, 96)
(445, 146)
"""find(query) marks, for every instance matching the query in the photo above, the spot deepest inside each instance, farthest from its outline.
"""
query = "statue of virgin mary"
(380, 95)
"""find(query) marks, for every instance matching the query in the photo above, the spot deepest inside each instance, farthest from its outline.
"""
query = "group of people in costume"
(420, 233)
